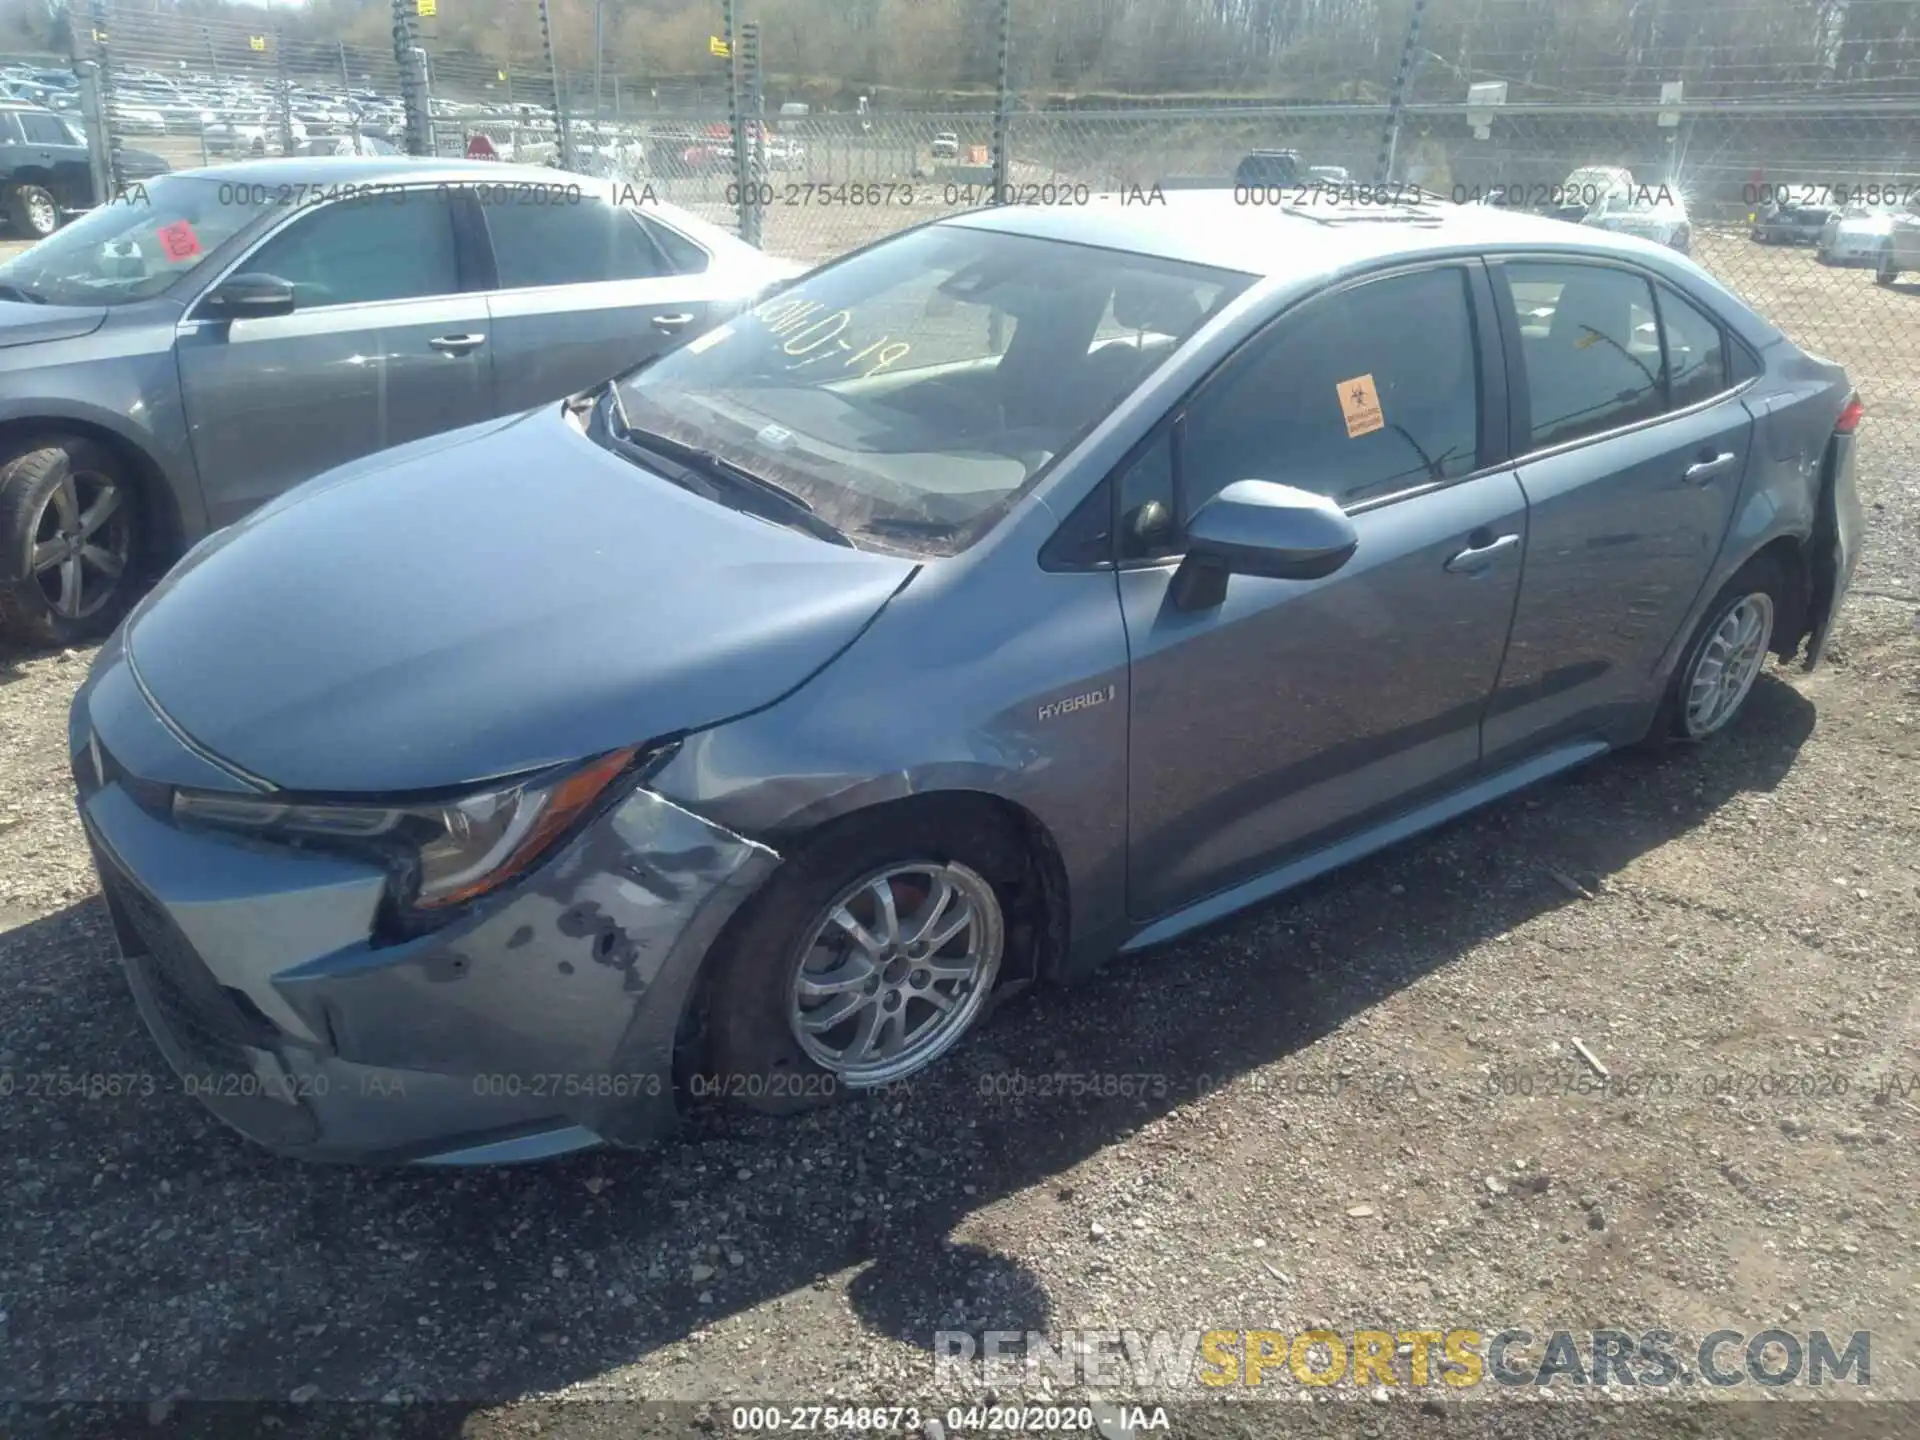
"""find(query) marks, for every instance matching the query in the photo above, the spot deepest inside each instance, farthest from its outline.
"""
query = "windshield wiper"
(10, 291)
(761, 494)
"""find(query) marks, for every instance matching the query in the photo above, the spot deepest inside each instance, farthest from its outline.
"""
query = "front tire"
(870, 955)
(1724, 658)
(1884, 272)
(70, 525)
(32, 211)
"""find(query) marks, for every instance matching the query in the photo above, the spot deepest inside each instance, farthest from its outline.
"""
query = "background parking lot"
(1358, 1105)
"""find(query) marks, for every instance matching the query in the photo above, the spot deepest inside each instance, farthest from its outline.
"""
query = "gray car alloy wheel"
(81, 543)
(895, 970)
(1727, 664)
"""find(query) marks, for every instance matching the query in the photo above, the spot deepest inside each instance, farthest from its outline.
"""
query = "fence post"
(283, 84)
(413, 86)
(97, 19)
(753, 103)
(1402, 78)
(561, 129)
(737, 124)
(346, 80)
(99, 143)
(213, 56)
(1002, 162)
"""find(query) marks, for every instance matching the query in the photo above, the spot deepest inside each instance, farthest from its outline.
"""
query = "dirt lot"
(1327, 1120)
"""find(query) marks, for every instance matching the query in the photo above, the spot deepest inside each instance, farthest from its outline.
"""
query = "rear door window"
(1696, 355)
(43, 129)
(1590, 347)
(570, 243)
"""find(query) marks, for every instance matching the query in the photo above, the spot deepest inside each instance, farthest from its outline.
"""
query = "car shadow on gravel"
(154, 1253)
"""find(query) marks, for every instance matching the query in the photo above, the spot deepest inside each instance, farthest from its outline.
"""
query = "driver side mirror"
(1255, 527)
(249, 297)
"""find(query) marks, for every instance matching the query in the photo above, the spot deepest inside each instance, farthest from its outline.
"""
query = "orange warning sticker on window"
(1361, 405)
(178, 240)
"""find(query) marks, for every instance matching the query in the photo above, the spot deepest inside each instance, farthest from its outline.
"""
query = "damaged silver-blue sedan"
(1030, 586)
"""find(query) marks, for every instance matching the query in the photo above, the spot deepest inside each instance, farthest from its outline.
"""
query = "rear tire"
(70, 525)
(787, 969)
(1724, 657)
(1884, 272)
(32, 211)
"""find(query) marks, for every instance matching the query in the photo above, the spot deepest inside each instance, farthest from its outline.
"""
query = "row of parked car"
(1876, 227)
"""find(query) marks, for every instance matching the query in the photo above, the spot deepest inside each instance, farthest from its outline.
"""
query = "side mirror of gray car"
(1255, 527)
(249, 297)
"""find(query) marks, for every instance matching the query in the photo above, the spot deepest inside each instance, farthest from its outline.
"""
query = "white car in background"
(783, 154)
(1902, 250)
(1651, 212)
(1857, 234)
(137, 119)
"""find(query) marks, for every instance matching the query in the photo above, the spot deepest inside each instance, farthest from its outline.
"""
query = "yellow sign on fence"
(717, 46)
(256, 42)
(427, 7)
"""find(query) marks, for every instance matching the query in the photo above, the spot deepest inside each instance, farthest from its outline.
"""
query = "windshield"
(910, 392)
(136, 246)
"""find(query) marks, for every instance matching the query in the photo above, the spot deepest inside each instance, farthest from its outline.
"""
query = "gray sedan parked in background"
(1030, 585)
(216, 336)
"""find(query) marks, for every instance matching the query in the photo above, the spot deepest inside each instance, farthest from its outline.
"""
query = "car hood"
(500, 599)
(22, 323)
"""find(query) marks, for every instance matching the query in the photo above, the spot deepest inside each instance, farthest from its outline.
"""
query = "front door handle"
(1474, 561)
(670, 323)
(1703, 471)
(457, 344)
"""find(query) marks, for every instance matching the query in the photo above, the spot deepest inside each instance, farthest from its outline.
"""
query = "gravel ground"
(1324, 1125)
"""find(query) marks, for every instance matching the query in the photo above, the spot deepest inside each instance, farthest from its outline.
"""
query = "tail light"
(1850, 417)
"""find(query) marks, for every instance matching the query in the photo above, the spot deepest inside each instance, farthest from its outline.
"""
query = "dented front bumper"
(543, 1021)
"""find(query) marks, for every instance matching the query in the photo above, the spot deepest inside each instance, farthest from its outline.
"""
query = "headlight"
(442, 852)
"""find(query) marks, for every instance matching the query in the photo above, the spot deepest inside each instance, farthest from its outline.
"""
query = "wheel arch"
(159, 504)
(1017, 852)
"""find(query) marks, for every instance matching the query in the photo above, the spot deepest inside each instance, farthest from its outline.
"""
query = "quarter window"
(1590, 346)
(569, 244)
(683, 256)
(356, 252)
(1365, 392)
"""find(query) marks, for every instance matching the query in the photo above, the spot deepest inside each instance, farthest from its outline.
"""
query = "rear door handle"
(671, 323)
(1475, 561)
(1703, 471)
(457, 344)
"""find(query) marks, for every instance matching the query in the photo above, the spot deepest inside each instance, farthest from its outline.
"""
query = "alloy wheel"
(1728, 664)
(81, 544)
(895, 970)
(42, 214)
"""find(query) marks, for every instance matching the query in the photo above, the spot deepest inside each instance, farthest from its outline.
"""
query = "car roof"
(1209, 227)
(366, 169)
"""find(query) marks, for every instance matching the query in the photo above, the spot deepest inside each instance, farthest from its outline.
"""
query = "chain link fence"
(1774, 142)
(198, 91)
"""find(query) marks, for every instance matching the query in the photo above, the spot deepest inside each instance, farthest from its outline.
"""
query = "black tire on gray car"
(1724, 657)
(1883, 271)
(791, 988)
(70, 525)
(32, 211)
